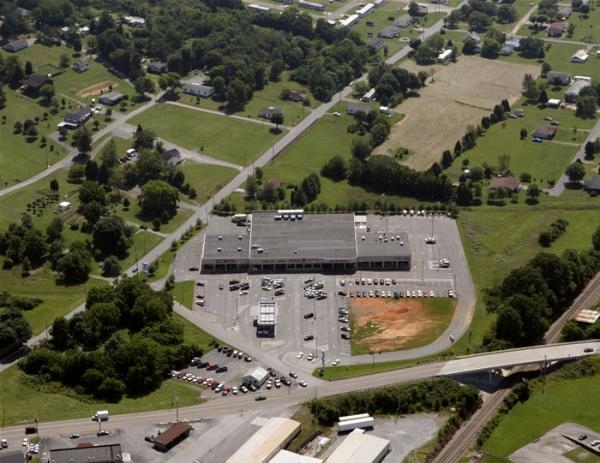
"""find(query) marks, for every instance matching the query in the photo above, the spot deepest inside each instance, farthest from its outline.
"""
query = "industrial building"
(285, 456)
(267, 441)
(171, 437)
(286, 241)
(110, 453)
(359, 447)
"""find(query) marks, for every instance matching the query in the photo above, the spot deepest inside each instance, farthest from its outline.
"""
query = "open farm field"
(460, 94)
(216, 136)
(206, 179)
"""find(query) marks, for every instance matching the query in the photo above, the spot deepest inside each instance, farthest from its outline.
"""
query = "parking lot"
(434, 245)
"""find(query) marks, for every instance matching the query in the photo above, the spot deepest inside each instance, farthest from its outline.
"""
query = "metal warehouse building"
(359, 447)
(276, 241)
(267, 441)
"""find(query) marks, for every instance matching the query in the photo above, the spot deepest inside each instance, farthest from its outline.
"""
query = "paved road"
(289, 397)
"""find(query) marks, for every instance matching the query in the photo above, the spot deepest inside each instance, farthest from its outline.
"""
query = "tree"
(238, 94)
(47, 92)
(111, 267)
(59, 331)
(575, 172)
(530, 88)
(413, 9)
(143, 139)
(148, 167)
(277, 118)
(447, 159)
(251, 187)
(586, 107)
(361, 147)
(533, 193)
(54, 229)
(470, 46)
(170, 82)
(91, 170)
(91, 191)
(277, 68)
(590, 150)
(457, 148)
(158, 199)
(92, 211)
(143, 85)
(543, 98)
(335, 169)
(64, 61)
(110, 236)
(108, 156)
(54, 185)
(75, 266)
(490, 48)
(464, 196)
(28, 68)
(82, 140)
(596, 239)
(523, 134)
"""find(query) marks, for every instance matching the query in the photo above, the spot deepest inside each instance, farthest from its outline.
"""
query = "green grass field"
(20, 159)
(440, 310)
(194, 335)
(133, 215)
(183, 292)
(142, 242)
(206, 179)
(58, 300)
(222, 137)
(574, 400)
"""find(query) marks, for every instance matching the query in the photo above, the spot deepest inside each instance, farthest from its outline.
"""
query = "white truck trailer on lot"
(100, 415)
(349, 425)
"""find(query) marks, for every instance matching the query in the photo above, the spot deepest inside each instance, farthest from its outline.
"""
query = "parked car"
(302, 383)
(260, 397)
(309, 337)
(309, 315)
(293, 374)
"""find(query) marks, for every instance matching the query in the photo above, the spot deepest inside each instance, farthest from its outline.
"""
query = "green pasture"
(220, 137)
(206, 179)
(183, 292)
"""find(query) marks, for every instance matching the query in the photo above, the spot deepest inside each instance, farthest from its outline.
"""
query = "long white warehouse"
(359, 447)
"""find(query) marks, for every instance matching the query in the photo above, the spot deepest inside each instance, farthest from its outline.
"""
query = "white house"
(444, 55)
(349, 21)
(256, 377)
(198, 89)
(580, 56)
(365, 10)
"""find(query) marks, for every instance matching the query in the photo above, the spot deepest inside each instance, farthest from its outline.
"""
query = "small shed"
(553, 103)
(63, 206)
(172, 436)
(256, 377)
(16, 45)
(580, 56)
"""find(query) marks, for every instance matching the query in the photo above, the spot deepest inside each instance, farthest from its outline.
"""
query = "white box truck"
(349, 425)
(100, 415)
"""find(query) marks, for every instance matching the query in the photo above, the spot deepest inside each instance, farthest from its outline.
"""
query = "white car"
(336, 114)
(335, 362)
(25, 442)
(302, 383)
(310, 357)
(300, 355)
(234, 391)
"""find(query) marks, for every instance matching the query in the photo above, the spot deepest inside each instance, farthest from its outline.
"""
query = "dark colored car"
(233, 282)
(309, 337)
(309, 315)
(212, 367)
(102, 433)
(260, 397)
(588, 349)
(345, 336)
(221, 370)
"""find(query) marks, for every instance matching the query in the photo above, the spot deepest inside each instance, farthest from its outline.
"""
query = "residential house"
(509, 183)
(421, 10)
(377, 43)
(514, 42)
(111, 98)
(157, 67)
(198, 89)
(506, 50)
(573, 91)
(297, 95)
(134, 21)
(171, 157)
(311, 5)
(558, 78)
(593, 184)
(580, 56)
(79, 117)
(355, 108)
(389, 32)
(403, 21)
(365, 10)
(16, 45)
(349, 21)
(33, 85)
(556, 29)
(81, 66)
(267, 113)
(553, 103)
(444, 55)
(85, 30)
(545, 132)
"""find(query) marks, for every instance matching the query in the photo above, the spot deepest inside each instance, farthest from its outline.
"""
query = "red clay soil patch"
(97, 89)
(397, 322)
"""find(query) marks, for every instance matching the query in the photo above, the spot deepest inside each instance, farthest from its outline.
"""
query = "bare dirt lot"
(389, 324)
(457, 94)
(97, 89)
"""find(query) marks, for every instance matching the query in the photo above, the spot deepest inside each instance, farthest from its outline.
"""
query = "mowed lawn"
(20, 159)
(574, 400)
(58, 299)
(220, 137)
(206, 179)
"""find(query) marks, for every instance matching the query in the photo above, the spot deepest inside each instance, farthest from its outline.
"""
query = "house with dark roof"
(297, 95)
(573, 91)
(157, 67)
(389, 32)
(355, 108)
(81, 66)
(79, 117)
(171, 157)
(558, 78)
(377, 43)
(33, 85)
(593, 184)
(111, 98)
(509, 183)
(267, 113)
(556, 29)
(545, 132)
(16, 45)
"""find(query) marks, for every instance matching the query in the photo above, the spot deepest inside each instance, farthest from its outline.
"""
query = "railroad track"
(469, 431)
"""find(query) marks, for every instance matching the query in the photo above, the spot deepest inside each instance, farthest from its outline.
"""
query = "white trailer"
(353, 417)
(349, 425)
(100, 415)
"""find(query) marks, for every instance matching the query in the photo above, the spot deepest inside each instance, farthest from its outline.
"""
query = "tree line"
(124, 343)
(14, 328)
(531, 297)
